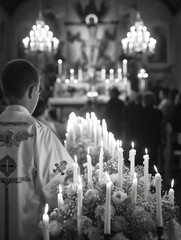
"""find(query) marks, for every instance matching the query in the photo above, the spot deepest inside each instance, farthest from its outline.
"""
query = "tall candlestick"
(146, 178)
(79, 205)
(132, 154)
(107, 221)
(159, 216)
(134, 189)
(75, 170)
(171, 192)
(89, 168)
(60, 198)
(120, 165)
(101, 161)
(119, 74)
(60, 67)
(46, 235)
(80, 75)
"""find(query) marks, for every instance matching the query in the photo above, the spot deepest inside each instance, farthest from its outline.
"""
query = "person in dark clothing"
(113, 113)
(149, 129)
(176, 117)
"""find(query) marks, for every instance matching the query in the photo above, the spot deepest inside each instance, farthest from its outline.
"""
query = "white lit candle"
(125, 62)
(60, 67)
(79, 205)
(120, 165)
(46, 235)
(103, 74)
(80, 75)
(101, 161)
(146, 169)
(171, 192)
(158, 181)
(107, 220)
(60, 198)
(132, 154)
(89, 168)
(72, 75)
(119, 73)
(75, 170)
(111, 74)
(134, 189)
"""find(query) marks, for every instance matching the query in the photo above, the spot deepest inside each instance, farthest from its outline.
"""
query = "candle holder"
(159, 233)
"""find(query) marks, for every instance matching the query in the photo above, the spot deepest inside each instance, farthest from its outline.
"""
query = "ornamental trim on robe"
(9, 138)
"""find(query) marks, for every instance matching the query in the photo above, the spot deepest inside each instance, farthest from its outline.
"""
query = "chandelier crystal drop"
(41, 38)
(138, 40)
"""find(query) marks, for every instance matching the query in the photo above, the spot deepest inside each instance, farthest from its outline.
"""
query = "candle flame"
(75, 159)
(172, 183)
(120, 143)
(46, 208)
(65, 141)
(156, 169)
(132, 144)
(59, 61)
(88, 150)
(146, 151)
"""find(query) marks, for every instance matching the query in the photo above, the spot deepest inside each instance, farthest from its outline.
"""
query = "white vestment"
(28, 153)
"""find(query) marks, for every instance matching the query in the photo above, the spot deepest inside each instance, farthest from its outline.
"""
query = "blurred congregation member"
(176, 117)
(166, 104)
(113, 113)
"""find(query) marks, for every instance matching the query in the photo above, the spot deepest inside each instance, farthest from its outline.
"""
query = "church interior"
(88, 48)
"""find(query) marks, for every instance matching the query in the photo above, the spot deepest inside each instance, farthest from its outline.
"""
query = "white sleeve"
(48, 152)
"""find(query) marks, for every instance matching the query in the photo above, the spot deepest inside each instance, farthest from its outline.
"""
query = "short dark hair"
(17, 76)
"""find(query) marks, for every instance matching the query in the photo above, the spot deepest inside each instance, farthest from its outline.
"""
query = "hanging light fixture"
(138, 40)
(41, 38)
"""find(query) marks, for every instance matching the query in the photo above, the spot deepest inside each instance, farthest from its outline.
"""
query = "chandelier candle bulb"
(46, 235)
(101, 161)
(171, 192)
(75, 170)
(107, 221)
(60, 67)
(120, 165)
(60, 198)
(132, 154)
(89, 168)
(159, 216)
(79, 205)
(146, 173)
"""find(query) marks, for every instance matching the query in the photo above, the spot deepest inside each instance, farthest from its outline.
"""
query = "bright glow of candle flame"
(46, 208)
(88, 150)
(156, 169)
(59, 61)
(146, 151)
(172, 183)
(120, 143)
(132, 144)
(75, 159)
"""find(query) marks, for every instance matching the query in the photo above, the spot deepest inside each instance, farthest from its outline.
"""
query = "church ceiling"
(10, 6)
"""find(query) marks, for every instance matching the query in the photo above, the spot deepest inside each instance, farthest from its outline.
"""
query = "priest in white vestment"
(28, 153)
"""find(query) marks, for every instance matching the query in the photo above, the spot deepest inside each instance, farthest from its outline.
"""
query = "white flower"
(118, 196)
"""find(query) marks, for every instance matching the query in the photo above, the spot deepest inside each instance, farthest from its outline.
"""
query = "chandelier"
(41, 38)
(138, 40)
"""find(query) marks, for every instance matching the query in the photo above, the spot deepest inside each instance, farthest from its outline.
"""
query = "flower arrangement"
(132, 216)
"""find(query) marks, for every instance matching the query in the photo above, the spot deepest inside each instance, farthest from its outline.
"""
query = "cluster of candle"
(90, 128)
